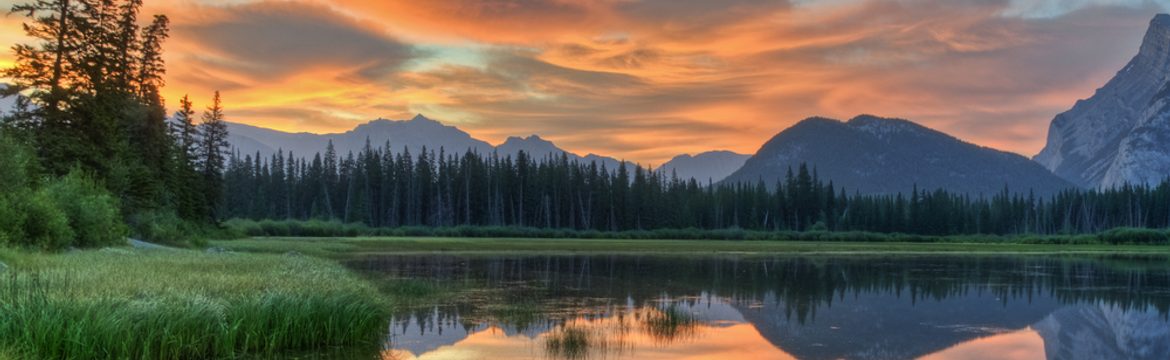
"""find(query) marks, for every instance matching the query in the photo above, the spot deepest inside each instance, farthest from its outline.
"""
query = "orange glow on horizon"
(644, 80)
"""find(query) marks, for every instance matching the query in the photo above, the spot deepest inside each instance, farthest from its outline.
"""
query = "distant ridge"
(421, 132)
(711, 166)
(413, 135)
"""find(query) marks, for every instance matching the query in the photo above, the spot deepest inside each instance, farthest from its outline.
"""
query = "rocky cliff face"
(1118, 135)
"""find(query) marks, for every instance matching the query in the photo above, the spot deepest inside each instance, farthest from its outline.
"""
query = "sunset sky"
(648, 79)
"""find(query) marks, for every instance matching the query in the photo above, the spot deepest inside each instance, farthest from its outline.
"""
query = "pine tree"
(213, 152)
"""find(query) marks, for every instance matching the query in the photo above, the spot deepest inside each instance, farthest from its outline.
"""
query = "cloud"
(269, 40)
(647, 79)
(1038, 9)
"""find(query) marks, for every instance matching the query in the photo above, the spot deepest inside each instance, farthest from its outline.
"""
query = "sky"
(645, 80)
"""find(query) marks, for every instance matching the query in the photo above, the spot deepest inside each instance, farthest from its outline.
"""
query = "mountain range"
(876, 155)
(1122, 133)
(867, 154)
(420, 132)
(1119, 135)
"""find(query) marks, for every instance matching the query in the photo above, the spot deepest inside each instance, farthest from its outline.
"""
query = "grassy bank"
(343, 247)
(319, 228)
(120, 303)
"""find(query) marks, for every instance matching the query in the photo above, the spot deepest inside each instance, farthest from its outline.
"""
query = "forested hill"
(874, 155)
(388, 189)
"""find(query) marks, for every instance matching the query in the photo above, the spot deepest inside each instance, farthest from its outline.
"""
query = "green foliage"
(1136, 236)
(17, 164)
(229, 306)
(98, 108)
(165, 227)
(45, 225)
(12, 216)
(162, 227)
(55, 213)
(309, 228)
(91, 210)
(318, 228)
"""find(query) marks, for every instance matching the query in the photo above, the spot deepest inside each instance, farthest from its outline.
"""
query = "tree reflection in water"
(809, 306)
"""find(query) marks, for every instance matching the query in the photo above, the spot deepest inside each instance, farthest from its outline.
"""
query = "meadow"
(120, 303)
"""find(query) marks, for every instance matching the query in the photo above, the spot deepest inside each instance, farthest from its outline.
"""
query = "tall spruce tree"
(213, 153)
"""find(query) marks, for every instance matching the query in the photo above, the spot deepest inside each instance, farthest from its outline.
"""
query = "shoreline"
(337, 247)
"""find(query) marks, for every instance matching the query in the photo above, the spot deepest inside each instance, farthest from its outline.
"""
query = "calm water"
(783, 307)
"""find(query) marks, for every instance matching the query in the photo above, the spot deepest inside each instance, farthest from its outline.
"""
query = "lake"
(780, 307)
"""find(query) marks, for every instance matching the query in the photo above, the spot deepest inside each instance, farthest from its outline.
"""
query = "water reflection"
(863, 307)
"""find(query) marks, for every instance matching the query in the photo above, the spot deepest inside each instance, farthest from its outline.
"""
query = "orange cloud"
(647, 79)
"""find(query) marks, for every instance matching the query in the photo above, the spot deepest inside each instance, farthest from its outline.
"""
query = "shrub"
(45, 226)
(16, 164)
(1135, 236)
(92, 211)
(12, 216)
(162, 227)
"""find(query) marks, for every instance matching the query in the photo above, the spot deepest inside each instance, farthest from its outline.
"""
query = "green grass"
(238, 228)
(345, 247)
(127, 304)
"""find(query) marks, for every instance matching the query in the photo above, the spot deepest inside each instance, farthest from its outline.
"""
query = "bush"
(92, 211)
(16, 164)
(1135, 236)
(15, 161)
(12, 216)
(45, 226)
(162, 227)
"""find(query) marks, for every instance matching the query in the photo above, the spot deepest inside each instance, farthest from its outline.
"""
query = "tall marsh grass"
(122, 304)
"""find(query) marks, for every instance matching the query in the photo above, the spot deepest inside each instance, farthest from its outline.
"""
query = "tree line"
(89, 105)
(383, 188)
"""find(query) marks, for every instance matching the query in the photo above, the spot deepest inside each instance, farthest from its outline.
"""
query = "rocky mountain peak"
(1097, 142)
(1156, 44)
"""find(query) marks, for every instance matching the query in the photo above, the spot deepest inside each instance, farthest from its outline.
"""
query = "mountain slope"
(708, 166)
(420, 131)
(875, 155)
(1112, 137)
(1143, 156)
(541, 149)
(413, 134)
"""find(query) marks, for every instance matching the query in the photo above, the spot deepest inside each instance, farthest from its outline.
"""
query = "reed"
(119, 304)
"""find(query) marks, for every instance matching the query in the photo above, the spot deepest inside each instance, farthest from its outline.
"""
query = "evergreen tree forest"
(90, 110)
(383, 188)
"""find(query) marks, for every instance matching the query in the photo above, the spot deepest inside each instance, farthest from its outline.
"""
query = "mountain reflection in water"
(784, 307)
